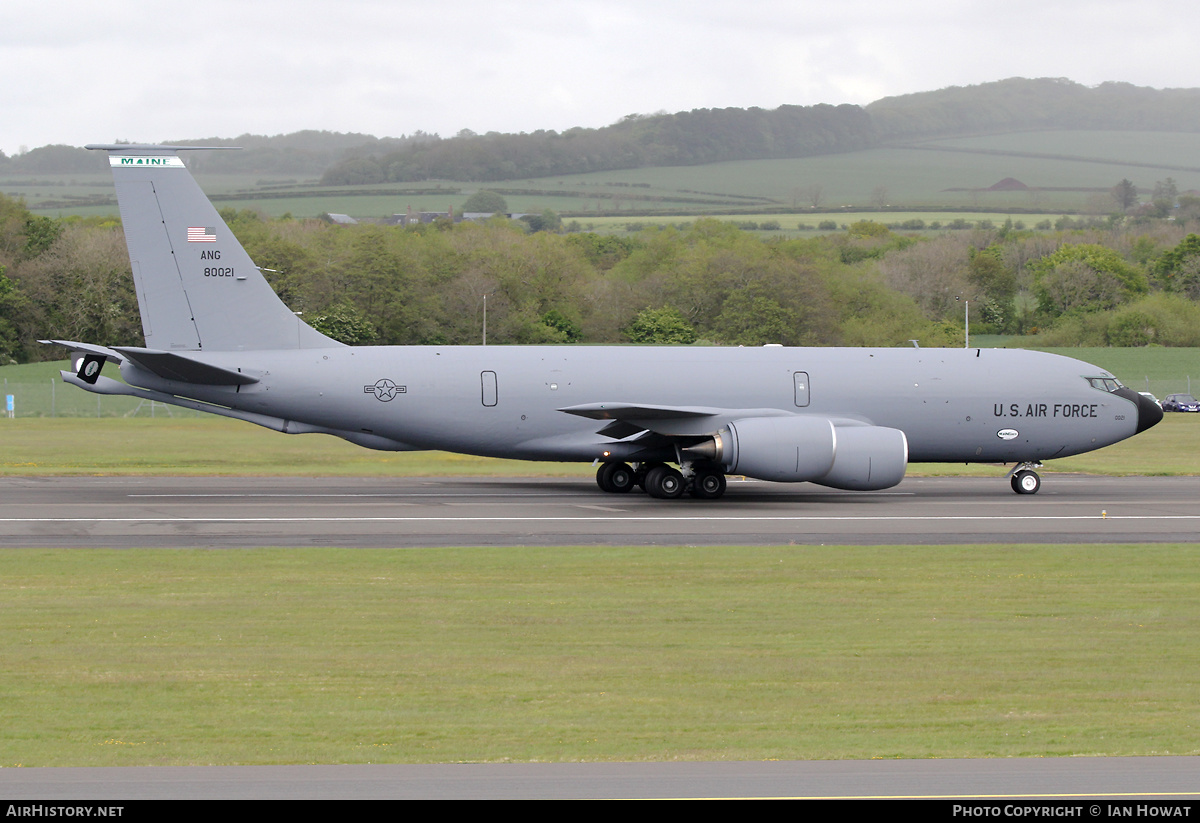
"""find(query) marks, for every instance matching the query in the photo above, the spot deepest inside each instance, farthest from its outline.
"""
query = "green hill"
(1045, 145)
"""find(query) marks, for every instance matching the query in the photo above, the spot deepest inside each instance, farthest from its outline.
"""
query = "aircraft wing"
(674, 421)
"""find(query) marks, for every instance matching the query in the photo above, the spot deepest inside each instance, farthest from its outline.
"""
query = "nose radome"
(1149, 413)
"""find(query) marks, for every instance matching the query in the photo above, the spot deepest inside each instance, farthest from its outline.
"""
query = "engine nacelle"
(786, 449)
(868, 458)
(800, 448)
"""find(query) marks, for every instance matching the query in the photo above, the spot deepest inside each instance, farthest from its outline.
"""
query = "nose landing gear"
(1024, 479)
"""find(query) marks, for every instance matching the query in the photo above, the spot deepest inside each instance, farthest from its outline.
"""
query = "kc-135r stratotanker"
(219, 340)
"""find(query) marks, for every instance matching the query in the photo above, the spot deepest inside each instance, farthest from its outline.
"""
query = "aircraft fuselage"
(953, 405)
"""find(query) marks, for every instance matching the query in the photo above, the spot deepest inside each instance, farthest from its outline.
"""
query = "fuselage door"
(801, 379)
(488, 383)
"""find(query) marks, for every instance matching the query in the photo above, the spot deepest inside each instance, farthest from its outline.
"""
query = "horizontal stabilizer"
(87, 348)
(172, 366)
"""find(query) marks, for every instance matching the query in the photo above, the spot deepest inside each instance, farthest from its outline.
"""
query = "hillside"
(705, 136)
(697, 137)
(1018, 104)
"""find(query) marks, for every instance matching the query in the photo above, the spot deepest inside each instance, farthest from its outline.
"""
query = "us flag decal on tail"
(199, 234)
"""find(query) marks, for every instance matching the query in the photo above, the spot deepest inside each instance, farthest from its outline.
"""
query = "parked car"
(1149, 396)
(1181, 403)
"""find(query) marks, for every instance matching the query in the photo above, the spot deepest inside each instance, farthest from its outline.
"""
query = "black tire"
(708, 485)
(621, 479)
(644, 470)
(1026, 482)
(664, 483)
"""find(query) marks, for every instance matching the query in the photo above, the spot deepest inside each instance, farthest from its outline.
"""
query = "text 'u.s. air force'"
(1045, 410)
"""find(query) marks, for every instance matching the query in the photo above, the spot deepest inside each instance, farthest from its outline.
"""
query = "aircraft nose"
(1149, 413)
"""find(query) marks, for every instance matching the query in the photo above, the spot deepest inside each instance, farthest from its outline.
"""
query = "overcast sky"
(80, 72)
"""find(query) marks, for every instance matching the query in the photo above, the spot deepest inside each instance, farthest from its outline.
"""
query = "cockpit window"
(1108, 384)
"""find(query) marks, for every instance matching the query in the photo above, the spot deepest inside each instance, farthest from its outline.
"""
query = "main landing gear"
(1024, 479)
(661, 481)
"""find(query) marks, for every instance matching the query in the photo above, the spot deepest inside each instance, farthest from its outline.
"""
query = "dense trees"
(486, 202)
(686, 138)
(12, 306)
(1085, 277)
(1019, 104)
(707, 282)
(665, 326)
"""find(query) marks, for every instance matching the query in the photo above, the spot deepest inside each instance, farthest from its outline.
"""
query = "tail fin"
(196, 286)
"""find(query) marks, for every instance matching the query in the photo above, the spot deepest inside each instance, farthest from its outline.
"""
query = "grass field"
(589, 654)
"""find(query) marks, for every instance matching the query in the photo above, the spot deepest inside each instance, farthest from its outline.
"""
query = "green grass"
(1161, 150)
(165, 657)
(216, 446)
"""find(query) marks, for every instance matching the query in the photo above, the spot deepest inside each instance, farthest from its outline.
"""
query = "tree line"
(1132, 281)
(687, 138)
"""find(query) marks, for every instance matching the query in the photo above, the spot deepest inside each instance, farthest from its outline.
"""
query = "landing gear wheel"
(708, 485)
(616, 478)
(1026, 482)
(643, 471)
(664, 482)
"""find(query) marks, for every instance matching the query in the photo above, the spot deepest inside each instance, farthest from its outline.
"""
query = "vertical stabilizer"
(196, 286)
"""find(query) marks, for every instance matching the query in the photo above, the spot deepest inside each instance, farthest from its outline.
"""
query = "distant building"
(413, 218)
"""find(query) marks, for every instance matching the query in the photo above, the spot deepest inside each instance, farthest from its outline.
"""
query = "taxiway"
(216, 512)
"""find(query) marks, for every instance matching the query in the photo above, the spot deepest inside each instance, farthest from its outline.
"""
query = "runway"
(214, 512)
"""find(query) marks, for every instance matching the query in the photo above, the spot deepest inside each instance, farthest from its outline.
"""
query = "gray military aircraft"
(219, 340)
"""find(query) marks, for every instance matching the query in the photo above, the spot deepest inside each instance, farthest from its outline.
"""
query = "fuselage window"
(488, 381)
(801, 388)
